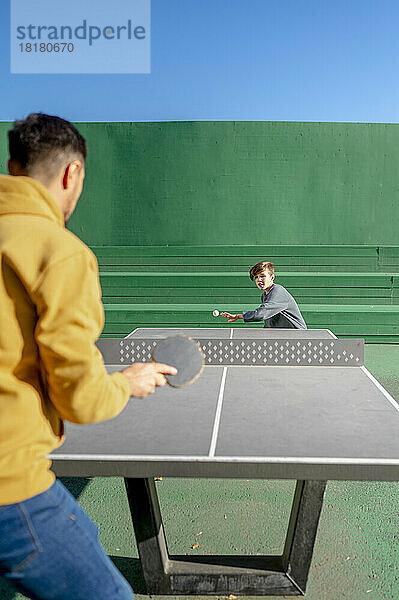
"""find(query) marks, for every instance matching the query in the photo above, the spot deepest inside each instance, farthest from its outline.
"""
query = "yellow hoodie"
(50, 317)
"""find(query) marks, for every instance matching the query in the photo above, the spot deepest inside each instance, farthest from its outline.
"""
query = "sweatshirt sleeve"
(70, 319)
(265, 310)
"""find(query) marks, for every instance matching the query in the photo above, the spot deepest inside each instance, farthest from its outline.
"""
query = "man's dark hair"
(45, 140)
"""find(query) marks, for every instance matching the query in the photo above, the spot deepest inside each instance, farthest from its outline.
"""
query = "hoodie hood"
(25, 195)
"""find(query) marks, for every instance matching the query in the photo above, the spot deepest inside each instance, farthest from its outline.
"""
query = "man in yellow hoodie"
(50, 369)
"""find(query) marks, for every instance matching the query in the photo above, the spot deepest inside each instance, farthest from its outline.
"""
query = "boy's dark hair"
(47, 140)
(261, 267)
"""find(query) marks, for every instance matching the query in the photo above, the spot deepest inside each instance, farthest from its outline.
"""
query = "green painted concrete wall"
(190, 183)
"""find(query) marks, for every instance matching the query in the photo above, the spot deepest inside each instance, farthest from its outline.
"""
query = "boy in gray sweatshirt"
(278, 308)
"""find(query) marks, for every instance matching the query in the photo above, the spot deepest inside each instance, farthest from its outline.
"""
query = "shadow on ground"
(131, 570)
(75, 485)
(6, 591)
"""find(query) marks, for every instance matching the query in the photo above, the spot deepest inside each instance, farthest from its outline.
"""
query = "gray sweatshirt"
(278, 309)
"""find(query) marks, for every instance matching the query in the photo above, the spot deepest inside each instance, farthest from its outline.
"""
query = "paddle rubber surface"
(183, 353)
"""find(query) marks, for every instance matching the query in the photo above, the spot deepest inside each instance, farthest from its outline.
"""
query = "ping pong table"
(270, 404)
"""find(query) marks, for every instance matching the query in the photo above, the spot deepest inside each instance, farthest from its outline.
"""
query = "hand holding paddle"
(145, 377)
(183, 353)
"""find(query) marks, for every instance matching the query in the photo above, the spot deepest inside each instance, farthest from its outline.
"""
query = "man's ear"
(65, 178)
(69, 172)
(272, 277)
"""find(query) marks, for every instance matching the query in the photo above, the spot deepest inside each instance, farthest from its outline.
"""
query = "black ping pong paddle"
(183, 353)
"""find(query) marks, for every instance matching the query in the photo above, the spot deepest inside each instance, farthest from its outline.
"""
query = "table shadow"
(131, 570)
(75, 485)
(7, 592)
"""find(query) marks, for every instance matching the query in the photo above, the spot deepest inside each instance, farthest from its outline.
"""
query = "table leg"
(150, 537)
(302, 529)
(209, 575)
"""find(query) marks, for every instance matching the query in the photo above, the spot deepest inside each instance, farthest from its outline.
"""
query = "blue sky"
(271, 60)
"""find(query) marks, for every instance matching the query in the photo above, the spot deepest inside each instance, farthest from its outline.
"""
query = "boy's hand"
(145, 377)
(231, 318)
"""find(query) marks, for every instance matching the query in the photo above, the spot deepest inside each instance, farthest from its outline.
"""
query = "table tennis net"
(246, 352)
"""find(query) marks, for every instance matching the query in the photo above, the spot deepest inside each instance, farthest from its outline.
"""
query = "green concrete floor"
(356, 554)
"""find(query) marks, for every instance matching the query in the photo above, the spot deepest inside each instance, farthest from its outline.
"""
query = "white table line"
(379, 386)
(218, 415)
(216, 423)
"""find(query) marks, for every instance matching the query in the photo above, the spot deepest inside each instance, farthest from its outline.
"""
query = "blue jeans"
(49, 550)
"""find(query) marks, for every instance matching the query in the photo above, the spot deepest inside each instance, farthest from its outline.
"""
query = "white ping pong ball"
(215, 313)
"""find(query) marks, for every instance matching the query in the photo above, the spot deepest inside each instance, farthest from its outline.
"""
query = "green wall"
(238, 183)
